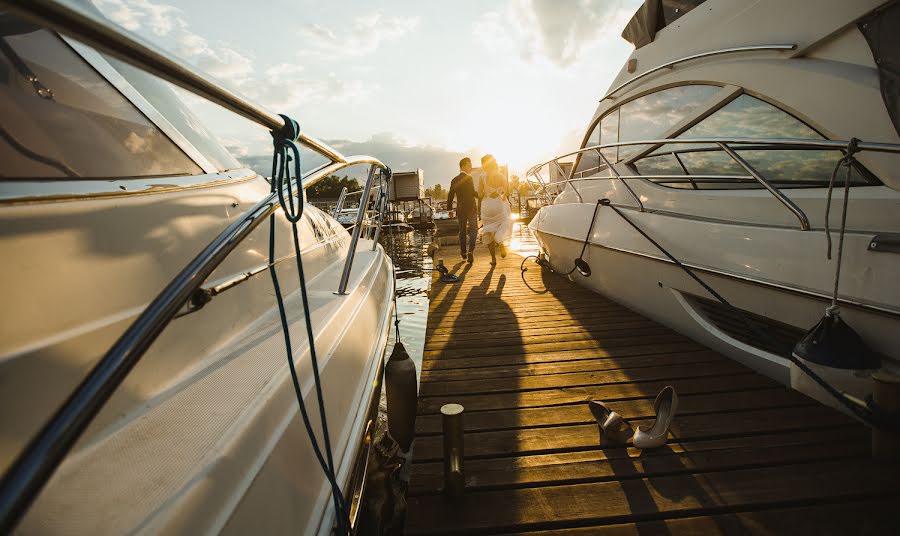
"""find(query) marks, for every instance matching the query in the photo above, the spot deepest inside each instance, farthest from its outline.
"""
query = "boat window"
(749, 117)
(165, 99)
(651, 116)
(606, 131)
(665, 164)
(59, 118)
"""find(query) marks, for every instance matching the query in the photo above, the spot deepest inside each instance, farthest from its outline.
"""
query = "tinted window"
(665, 164)
(164, 99)
(607, 131)
(651, 116)
(59, 118)
(749, 117)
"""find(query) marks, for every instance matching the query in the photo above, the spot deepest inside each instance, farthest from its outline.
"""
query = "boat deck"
(524, 353)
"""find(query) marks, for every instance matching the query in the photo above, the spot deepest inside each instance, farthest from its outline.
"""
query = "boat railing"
(37, 462)
(547, 189)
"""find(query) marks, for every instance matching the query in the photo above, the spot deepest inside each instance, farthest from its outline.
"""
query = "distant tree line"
(330, 187)
(437, 192)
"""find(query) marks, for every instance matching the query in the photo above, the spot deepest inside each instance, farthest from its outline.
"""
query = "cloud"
(365, 35)
(280, 86)
(168, 22)
(558, 32)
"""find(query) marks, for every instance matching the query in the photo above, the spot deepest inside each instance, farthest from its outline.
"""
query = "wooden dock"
(524, 353)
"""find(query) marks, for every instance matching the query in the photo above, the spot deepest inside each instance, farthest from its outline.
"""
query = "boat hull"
(205, 434)
(629, 270)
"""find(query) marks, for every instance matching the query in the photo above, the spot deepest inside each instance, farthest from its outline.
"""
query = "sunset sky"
(415, 83)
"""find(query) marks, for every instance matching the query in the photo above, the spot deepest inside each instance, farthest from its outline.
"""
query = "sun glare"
(509, 126)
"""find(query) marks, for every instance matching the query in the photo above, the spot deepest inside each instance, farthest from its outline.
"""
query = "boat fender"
(400, 384)
(833, 343)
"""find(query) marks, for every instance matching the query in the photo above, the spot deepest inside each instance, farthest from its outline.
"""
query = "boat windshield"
(60, 119)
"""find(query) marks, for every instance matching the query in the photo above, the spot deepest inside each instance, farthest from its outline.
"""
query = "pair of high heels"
(618, 431)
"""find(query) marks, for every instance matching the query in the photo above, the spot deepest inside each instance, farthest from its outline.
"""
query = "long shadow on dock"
(745, 454)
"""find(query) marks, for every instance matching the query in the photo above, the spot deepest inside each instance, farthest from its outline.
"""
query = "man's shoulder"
(461, 177)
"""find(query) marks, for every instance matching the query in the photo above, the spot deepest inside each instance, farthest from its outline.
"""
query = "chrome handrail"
(340, 203)
(354, 239)
(798, 212)
(669, 65)
(723, 144)
(37, 462)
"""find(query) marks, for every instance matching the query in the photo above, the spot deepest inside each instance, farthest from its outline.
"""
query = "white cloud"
(364, 36)
(168, 22)
(136, 14)
(281, 86)
(558, 32)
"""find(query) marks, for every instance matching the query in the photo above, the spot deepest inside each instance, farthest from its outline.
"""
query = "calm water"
(413, 266)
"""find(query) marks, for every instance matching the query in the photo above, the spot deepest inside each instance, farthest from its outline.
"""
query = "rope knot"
(286, 169)
(289, 132)
(852, 149)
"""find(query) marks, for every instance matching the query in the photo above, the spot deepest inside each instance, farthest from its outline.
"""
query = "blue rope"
(284, 181)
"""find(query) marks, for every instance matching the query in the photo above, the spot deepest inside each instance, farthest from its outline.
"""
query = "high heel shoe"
(613, 427)
(655, 435)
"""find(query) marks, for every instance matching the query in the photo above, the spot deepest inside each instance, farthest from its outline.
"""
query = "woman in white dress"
(496, 216)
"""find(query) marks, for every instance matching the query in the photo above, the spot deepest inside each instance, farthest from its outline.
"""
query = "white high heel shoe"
(613, 427)
(655, 435)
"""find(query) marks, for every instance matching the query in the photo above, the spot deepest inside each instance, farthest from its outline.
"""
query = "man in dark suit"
(462, 187)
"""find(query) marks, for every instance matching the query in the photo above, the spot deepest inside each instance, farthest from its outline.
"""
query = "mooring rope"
(584, 246)
(284, 178)
(847, 160)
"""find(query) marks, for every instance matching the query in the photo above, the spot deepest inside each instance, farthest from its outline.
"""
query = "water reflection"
(408, 251)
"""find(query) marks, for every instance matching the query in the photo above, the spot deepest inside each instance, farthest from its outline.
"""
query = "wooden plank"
(645, 336)
(504, 330)
(642, 499)
(576, 379)
(870, 516)
(676, 458)
(610, 393)
(516, 337)
(642, 408)
(503, 312)
(587, 436)
(436, 363)
(523, 306)
(528, 323)
(577, 365)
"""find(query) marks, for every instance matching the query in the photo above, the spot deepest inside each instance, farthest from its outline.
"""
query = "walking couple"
(486, 198)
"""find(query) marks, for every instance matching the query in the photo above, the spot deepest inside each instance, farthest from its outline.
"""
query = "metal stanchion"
(454, 449)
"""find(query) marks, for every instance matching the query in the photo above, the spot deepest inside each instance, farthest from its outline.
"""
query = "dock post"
(454, 449)
(886, 443)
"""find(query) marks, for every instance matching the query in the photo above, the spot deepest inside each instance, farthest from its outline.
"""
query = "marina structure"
(704, 339)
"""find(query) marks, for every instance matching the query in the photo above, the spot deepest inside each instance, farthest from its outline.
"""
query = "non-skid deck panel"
(523, 353)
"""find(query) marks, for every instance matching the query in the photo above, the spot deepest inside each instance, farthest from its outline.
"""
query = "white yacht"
(717, 140)
(139, 315)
